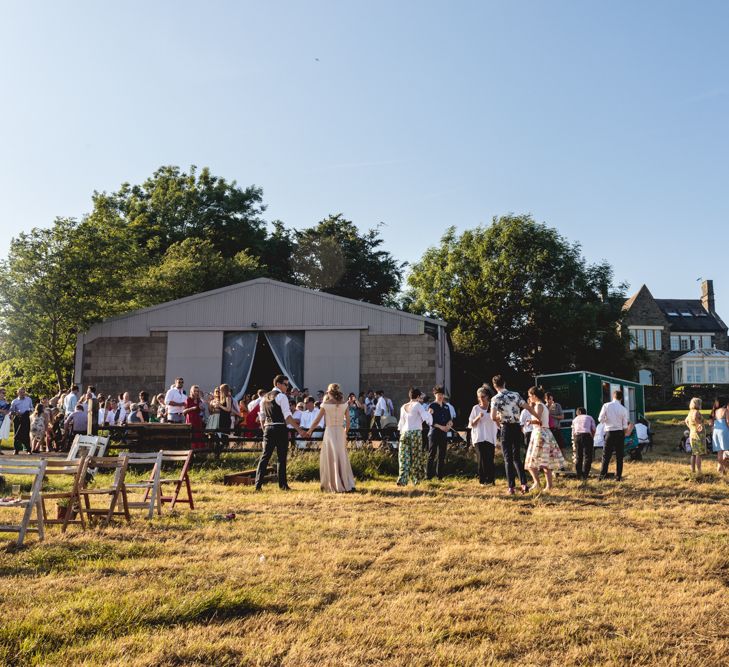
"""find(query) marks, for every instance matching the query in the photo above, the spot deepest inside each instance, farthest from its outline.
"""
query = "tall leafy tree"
(173, 205)
(335, 257)
(55, 283)
(518, 295)
(192, 266)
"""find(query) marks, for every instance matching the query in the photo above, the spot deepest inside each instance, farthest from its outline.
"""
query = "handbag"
(213, 423)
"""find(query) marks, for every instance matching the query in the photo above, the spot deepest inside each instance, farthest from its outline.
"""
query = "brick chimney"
(707, 296)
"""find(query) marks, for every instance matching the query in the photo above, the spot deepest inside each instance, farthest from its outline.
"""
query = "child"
(38, 429)
(543, 453)
(695, 422)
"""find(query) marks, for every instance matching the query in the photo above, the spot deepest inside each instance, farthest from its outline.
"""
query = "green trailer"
(590, 390)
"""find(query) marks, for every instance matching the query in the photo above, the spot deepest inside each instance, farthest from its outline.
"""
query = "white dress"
(335, 471)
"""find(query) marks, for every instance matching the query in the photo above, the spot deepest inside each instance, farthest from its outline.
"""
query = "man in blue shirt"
(437, 438)
(20, 408)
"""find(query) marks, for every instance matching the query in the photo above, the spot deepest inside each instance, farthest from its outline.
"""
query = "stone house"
(244, 334)
(668, 329)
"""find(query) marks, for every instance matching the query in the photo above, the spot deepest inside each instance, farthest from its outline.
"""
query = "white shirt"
(69, 403)
(369, 406)
(102, 415)
(381, 407)
(296, 415)
(614, 415)
(484, 430)
(176, 395)
(253, 404)
(308, 417)
(599, 440)
(412, 420)
(452, 410)
(525, 421)
(641, 430)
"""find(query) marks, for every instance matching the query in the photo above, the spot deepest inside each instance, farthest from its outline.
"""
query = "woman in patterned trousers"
(411, 456)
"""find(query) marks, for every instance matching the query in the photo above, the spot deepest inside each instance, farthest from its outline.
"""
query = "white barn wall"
(196, 356)
(332, 356)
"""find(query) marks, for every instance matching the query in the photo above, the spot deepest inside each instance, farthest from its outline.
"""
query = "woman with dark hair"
(412, 458)
(720, 436)
(483, 435)
(544, 452)
(144, 405)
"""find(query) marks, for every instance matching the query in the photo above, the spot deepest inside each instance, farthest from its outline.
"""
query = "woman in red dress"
(193, 412)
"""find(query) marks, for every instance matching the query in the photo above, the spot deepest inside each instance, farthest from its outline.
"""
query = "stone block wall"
(130, 364)
(396, 362)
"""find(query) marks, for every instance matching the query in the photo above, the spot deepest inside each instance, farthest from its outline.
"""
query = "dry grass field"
(452, 573)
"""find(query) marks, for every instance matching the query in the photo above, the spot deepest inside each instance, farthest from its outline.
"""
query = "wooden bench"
(151, 437)
(248, 477)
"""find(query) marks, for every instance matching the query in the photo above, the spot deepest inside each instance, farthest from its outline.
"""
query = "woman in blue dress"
(720, 437)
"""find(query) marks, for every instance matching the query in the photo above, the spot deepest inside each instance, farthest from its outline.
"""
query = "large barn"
(244, 334)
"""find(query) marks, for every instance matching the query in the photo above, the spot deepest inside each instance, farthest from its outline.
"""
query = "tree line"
(515, 290)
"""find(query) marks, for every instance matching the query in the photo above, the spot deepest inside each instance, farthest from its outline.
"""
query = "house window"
(686, 313)
(675, 343)
(685, 343)
(646, 339)
(679, 374)
(717, 371)
(695, 342)
(706, 342)
(645, 376)
(694, 372)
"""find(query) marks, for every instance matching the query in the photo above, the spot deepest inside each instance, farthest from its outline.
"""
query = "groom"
(275, 415)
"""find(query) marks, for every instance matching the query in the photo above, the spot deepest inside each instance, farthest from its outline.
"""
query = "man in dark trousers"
(437, 442)
(275, 415)
(506, 407)
(615, 417)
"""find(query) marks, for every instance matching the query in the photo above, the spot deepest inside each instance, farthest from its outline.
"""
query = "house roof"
(710, 353)
(261, 303)
(689, 315)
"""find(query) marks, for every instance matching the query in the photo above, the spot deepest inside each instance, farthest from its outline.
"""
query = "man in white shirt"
(175, 401)
(256, 400)
(69, 403)
(614, 416)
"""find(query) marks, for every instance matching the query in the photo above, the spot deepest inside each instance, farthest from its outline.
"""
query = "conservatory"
(702, 366)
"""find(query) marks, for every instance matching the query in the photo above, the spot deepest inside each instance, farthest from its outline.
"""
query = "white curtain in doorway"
(239, 352)
(288, 349)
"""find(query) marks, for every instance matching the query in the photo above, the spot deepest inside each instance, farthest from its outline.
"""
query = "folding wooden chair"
(116, 491)
(77, 469)
(184, 478)
(37, 469)
(151, 487)
(92, 445)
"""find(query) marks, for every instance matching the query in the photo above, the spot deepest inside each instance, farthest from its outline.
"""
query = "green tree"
(173, 205)
(335, 257)
(517, 295)
(192, 266)
(55, 283)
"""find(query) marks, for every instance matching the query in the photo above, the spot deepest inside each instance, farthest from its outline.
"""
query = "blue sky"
(607, 120)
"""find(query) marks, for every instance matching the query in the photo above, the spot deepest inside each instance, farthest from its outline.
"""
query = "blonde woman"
(335, 471)
(697, 435)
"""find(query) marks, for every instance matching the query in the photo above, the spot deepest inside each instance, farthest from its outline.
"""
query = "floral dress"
(543, 451)
(697, 435)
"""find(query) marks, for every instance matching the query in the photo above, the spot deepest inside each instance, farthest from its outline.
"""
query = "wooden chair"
(37, 469)
(151, 487)
(116, 491)
(184, 478)
(77, 469)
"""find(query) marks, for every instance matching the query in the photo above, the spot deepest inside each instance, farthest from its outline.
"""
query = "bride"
(334, 468)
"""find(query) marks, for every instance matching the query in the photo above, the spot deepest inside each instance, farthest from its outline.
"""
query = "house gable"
(642, 309)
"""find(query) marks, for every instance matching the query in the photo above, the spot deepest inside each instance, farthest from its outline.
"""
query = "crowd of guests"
(500, 417)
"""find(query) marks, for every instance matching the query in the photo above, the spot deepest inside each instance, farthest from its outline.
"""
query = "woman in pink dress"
(335, 471)
(193, 412)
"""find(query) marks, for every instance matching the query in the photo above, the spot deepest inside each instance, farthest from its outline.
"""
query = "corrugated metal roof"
(268, 303)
